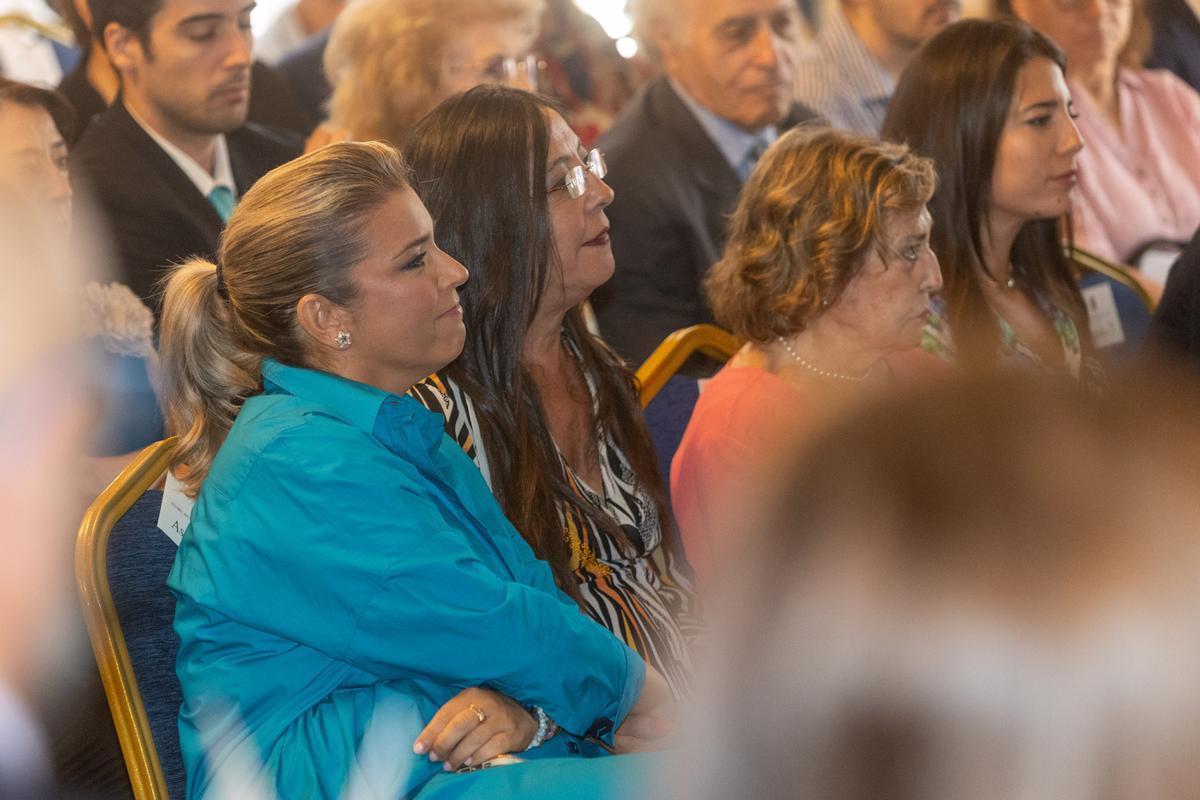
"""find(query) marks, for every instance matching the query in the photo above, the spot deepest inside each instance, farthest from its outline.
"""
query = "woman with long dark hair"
(988, 102)
(1139, 179)
(548, 412)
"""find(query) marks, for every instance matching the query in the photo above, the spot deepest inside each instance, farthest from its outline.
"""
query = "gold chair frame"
(104, 627)
(1119, 273)
(676, 349)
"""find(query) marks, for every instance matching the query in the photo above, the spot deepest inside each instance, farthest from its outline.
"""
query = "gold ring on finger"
(479, 715)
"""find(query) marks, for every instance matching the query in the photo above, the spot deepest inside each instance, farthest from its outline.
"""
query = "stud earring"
(342, 339)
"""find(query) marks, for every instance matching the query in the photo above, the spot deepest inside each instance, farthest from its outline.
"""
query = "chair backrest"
(667, 397)
(121, 564)
(1119, 307)
(1090, 262)
(1155, 258)
(667, 417)
(716, 343)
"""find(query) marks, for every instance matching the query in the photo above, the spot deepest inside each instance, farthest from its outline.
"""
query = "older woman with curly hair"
(827, 273)
(391, 61)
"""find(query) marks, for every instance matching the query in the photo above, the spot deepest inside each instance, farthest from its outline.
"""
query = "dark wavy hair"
(479, 161)
(951, 105)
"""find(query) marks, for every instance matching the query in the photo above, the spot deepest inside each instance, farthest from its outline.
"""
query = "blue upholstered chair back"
(1134, 315)
(667, 417)
(139, 559)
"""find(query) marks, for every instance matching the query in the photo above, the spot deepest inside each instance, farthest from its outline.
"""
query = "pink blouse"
(1147, 185)
(745, 415)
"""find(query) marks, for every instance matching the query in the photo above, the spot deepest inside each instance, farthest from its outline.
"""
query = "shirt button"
(573, 747)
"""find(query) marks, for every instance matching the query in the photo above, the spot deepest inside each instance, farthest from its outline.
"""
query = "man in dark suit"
(679, 153)
(170, 157)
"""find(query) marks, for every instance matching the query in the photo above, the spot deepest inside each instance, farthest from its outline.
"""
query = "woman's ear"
(326, 323)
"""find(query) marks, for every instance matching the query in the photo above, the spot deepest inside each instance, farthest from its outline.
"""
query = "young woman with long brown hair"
(988, 102)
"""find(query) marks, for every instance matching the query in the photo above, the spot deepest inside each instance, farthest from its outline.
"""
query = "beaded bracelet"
(546, 727)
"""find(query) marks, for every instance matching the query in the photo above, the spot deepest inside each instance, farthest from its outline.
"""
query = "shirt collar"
(222, 174)
(862, 70)
(379, 413)
(733, 142)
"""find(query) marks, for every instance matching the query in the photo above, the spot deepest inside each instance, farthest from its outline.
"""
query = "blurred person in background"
(850, 72)
(983, 590)
(549, 413)
(1139, 176)
(827, 274)
(352, 604)
(391, 61)
(584, 72)
(35, 124)
(116, 337)
(296, 23)
(1004, 143)
(680, 151)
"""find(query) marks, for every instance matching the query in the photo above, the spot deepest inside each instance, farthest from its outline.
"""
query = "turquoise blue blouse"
(345, 573)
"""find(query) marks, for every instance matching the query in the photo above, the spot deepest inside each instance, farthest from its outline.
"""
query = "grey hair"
(646, 15)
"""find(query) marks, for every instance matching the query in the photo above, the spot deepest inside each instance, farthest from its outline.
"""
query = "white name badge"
(176, 511)
(1103, 319)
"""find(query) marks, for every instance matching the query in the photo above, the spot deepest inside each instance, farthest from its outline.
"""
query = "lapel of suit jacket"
(165, 168)
(710, 168)
(716, 181)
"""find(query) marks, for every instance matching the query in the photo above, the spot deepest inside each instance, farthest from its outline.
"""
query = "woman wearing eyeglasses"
(1139, 176)
(391, 61)
(546, 410)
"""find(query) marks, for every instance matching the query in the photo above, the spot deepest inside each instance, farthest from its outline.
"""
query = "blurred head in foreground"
(34, 126)
(43, 414)
(984, 590)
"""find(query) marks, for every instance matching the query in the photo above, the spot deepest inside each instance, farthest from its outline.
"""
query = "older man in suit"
(169, 158)
(678, 155)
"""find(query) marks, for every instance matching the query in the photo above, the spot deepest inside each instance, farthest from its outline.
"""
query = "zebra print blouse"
(642, 597)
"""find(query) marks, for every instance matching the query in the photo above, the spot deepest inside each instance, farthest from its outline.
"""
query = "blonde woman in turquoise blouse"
(354, 611)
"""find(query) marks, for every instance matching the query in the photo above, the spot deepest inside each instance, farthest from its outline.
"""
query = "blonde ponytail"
(205, 375)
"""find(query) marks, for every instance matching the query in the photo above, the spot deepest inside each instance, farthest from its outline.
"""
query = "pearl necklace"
(824, 373)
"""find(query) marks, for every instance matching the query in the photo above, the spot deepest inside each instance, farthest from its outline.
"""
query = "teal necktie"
(222, 200)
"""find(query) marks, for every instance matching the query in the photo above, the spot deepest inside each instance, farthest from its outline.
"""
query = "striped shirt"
(638, 592)
(842, 81)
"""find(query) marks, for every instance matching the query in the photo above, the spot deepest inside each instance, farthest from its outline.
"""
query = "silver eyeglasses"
(575, 182)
